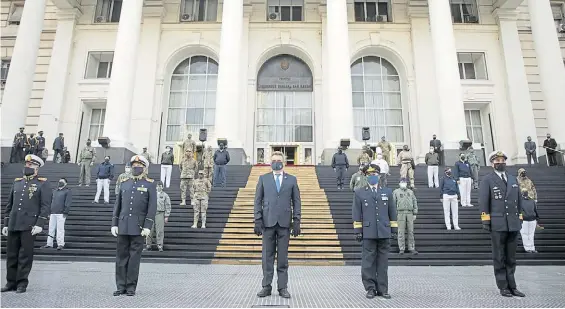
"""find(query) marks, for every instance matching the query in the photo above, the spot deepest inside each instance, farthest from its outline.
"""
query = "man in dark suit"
(436, 144)
(501, 214)
(132, 220)
(277, 216)
(550, 146)
(374, 222)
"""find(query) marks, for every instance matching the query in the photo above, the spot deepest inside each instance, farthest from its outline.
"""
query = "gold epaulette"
(485, 216)
(393, 223)
(18, 179)
(149, 180)
(42, 179)
(357, 225)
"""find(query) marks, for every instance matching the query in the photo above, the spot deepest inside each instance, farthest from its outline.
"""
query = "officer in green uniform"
(359, 179)
(86, 159)
(407, 208)
(374, 222)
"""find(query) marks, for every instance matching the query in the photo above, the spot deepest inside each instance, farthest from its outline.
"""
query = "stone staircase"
(318, 243)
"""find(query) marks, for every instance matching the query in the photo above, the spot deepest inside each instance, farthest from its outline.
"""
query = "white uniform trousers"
(450, 206)
(465, 185)
(528, 230)
(433, 179)
(166, 171)
(56, 227)
(103, 183)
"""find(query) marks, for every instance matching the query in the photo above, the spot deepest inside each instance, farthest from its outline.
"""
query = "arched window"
(192, 100)
(377, 99)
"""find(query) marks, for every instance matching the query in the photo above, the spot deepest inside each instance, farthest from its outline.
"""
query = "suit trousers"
(166, 171)
(504, 258)
(552, 158)
(128, 259)
(275, 240)
(103, 184)
(433, 179)
(528, 231)
(374, 264)
(340, 174)
(56, 154)
(465, 185)
(19, 257)
(56, 227)
(531, 156)
(450, 206)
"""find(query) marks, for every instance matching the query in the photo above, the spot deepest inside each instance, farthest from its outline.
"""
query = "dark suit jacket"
(500, 204)
(277, 207)
(551, 143)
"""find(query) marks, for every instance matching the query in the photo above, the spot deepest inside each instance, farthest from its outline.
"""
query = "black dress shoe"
(284, 293)
(371, 294)
(413, 252)
(515, 292)
(119, 292)
(505, 292)
(8, 288)
(265, 291)
(384, 295)
(21, 289)
(130, 293)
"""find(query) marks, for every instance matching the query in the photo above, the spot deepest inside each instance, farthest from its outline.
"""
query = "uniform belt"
(406, 162)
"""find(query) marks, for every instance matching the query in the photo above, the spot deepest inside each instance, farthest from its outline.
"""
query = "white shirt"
(500, 175)
(382, 164)
(281, 176)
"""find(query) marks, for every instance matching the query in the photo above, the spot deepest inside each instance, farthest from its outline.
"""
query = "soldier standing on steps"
(407, 166)
(162, 217)
(18, 146)
(189, 144)
(386, 148)
(208, 159)
(340, 164)
(407, 208)
(26, 212)
(147, 155)
(122, 178)
(501, 214)
(133, 217)
(374, 222)
(40, 145)
(188, 167)
(358, 180)
(364, 157)
(200, 191)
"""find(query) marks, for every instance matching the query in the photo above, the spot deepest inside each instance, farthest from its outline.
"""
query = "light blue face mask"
(373, 180)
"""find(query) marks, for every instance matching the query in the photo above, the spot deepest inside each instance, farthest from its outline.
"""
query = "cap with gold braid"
(34, 160)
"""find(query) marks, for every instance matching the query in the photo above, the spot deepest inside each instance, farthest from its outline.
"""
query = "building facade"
(291, 75)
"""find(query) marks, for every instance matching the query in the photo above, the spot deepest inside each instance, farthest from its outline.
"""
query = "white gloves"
(5, 231)
(145, 232)
(193, 202)
(36, 230)
(114, 231)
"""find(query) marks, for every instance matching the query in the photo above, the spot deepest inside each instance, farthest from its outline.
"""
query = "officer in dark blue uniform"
(374, 222)
(499, 199)
(134, 214)
(27, 210)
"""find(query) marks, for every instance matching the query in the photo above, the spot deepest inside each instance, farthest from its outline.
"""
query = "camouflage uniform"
(363, 158)
(406, 161)
(85, 160)
(528, 185)
(208, 159)
(386, 148)
(123, 177)
(201, 188)
(188, 167)
(475, 167)
(189, 144)
(407, 209)
(147, 156)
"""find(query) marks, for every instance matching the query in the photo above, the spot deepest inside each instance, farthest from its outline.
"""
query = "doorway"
(289, 152)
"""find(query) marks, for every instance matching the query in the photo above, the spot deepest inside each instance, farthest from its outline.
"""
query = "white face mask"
(379, 157)
(128, 170)
(431, 150)
(403, 185)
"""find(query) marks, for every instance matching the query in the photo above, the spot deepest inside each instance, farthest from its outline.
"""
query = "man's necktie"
(374, 193)
(504, 179)
(278, 181)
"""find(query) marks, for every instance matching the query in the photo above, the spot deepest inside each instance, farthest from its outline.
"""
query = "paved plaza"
(75, 284)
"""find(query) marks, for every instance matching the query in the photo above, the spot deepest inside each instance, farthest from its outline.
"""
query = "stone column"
(517, 87)
(17, 92)
(228, 98)
(339, 99)
(550, 64)
(55, 87)
(450, 107)
(120, 93)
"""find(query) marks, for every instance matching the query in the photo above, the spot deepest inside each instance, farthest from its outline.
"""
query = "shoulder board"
(18, 179)
(149, 179)
(42, 179)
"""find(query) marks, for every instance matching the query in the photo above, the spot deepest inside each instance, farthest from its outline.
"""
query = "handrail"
(554, 150)
(547, 156)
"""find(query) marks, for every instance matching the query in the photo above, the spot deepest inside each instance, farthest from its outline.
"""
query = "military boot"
(195, 225)
(183, 202)
(203, 221)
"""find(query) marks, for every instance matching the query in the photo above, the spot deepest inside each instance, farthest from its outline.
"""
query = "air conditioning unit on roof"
(274, 16)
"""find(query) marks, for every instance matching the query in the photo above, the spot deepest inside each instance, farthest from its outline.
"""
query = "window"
(108, 11)
(96, 123)
(377, 100)
(99, 65)
(285, 10)
(4, 72)
(474, 126)
(472, 66)
(192, 100)
(557, 10)
(16, 15)
(199, 10)
(372, 10)
(284, 116)
(464, 11)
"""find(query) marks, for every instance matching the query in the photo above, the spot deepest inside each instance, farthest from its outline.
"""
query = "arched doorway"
(192, 100)
(284, 110)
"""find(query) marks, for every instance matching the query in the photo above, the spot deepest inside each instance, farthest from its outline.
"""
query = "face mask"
(405, 148)
(434, 137)
(106, 160)
(137, 170)
(403, 185)
(529, 139)
(88, 144)
(548, 137)
(432, 150)
(128, 170)
(28, 171)
(221, 146)
(373, 180)
(61, 184)
(448, 174)
(277, 166)
(523, 174)
(159, 188)
(500, 167)
(339, 150)
(462, 158)
(201, 176)
(379, 157)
